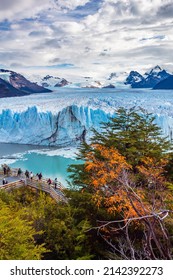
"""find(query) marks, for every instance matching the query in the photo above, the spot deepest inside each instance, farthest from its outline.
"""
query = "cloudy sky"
(86, 36)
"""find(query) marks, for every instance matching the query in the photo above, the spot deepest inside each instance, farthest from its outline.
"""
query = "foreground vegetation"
(122, 210)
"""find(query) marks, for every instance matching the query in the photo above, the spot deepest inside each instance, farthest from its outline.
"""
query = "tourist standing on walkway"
(40, 176)
(49, 181)
(27, 174)
(19, 172)
(4, 170)
(55, 183)
(31, 175)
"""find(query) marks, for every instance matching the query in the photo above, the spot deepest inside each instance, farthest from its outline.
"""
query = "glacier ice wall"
(65, 128)
(165, 122)
(69, 126)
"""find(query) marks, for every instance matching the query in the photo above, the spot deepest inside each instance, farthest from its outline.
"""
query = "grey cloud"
(128, 38)
(53, 43)
(87, 49)
(104, 54)
(157, 37)
(156, 52)
(48, 43)
(12, 55)
(55, 60)
(166, 11)
(37, 33)
(8, 4)
(16, 65)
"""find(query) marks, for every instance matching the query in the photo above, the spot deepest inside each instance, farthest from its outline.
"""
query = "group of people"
(6, 169)
(28, 175)
(49, 181)
(39, 176)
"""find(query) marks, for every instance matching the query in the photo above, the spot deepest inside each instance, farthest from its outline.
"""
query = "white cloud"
(103, 41)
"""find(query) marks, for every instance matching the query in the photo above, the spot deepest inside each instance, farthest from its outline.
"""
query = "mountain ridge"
(15, 84)
(148, 80)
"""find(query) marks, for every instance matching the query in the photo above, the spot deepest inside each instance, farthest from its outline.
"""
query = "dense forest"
(120, 200)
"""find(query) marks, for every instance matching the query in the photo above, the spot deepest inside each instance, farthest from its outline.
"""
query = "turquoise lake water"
(50, 166)
(23, 156)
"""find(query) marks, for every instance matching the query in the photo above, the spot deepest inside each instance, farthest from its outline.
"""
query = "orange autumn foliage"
(105, 167)
(153, 170)
(120, 202)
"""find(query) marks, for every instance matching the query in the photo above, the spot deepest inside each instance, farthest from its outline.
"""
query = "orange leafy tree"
(138, 230)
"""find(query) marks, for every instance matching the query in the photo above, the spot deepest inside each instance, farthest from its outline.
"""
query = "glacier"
(66, 117)
(65, 128)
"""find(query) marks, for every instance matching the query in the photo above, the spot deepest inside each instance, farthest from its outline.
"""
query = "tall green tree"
(133, 133)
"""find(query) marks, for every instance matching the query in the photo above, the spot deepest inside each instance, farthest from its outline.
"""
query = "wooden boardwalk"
(42, 185)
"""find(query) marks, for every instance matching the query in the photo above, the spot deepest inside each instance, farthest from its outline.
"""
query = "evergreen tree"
(133, 133)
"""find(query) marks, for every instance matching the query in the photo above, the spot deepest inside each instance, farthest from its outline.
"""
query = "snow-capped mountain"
(113, 80)
(149, 79)
(165, 84)
(18, 84)
(49, 81)
(52, 81)
(134, 78)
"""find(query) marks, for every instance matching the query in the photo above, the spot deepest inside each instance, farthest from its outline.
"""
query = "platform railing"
(42, 185)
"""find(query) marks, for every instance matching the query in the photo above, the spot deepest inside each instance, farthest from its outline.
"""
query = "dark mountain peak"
(20, 83)
(7, 90)
(134, 77)
(154, 71)
(149, 80)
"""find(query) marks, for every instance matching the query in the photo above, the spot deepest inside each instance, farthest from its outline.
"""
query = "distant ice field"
(155, 101)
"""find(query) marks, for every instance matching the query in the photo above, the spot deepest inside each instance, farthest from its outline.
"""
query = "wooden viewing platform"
(42, 185)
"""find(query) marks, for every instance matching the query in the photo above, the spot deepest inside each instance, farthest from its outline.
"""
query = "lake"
(38, 159)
